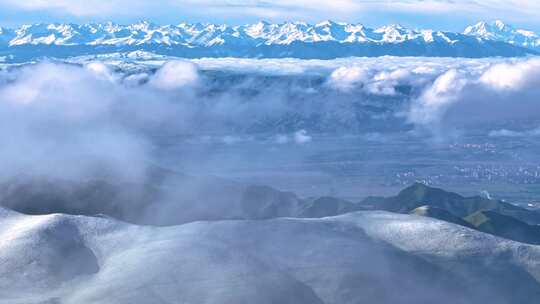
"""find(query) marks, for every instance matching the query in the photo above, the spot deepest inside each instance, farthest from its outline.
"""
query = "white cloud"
(61, 123)
(71, 109)
(513, 76)
(267, 8)
(442, 90)
(431, 105)
(347, 78)
(74, 7)
(302, 137)
(102, 71)
(136, 79)
(392, 75)
(481, 92)
(175, 75)
(511, 133)
(515, 10)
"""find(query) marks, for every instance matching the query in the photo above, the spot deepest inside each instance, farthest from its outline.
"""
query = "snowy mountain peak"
(499, 31)
(396, 33)
(328, 23)
(489, 30)
(326, 39)
(143, 25)
(500, 24)
(391, 27)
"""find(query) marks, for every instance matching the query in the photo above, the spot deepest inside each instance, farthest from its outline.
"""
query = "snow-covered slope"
(499, 31)
(290, 39)
(364, 257)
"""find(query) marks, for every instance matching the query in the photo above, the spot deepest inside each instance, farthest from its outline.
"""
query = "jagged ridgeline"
(325, 40)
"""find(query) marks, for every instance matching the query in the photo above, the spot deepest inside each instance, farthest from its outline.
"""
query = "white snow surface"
(78, 259)
(499, 31)
(261, 33)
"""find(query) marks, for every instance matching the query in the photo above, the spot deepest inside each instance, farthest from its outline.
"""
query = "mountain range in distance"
(325, 40)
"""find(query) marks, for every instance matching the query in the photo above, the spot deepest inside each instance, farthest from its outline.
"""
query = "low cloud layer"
(436, 94)
(69, 119)
(175, 75)
(60, 120)
(496, 94)
(66, 120)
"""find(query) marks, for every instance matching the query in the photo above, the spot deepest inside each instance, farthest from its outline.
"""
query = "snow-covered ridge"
(206, 35)
(262, 33)
(323, 40)
(375, 257)
(499, 31)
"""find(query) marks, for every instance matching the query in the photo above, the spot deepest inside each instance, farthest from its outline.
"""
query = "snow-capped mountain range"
(499, 31)
(264, 40)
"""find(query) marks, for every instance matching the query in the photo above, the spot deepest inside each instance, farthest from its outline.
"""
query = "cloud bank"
(435, 93)
(69, 119)
(496, 94)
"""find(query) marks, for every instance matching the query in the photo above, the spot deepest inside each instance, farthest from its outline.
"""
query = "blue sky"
(437, 14)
